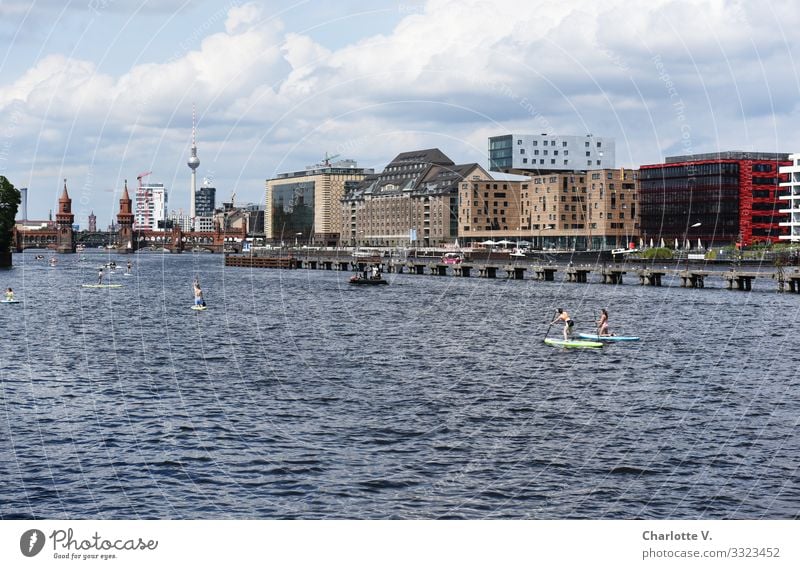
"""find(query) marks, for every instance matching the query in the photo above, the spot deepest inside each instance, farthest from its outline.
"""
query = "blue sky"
(100, 90)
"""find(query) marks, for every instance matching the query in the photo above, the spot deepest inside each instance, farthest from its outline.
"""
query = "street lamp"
(686, 238)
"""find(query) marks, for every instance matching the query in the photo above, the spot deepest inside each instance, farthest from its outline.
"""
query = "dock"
(734, 278)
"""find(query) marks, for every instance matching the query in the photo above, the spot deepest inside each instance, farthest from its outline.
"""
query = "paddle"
(551, 325)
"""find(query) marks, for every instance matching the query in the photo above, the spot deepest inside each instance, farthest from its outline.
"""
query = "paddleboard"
(597, 338)
(10, 301)
(572, 343)
(102, 286)
(196, 307)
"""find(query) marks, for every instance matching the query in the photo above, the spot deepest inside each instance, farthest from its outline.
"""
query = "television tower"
(193, 163)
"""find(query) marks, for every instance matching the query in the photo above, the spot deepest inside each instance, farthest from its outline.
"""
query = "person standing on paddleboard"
(568, 323)
(100, 276)
(198, 294)
(602, 324)
(9, 294)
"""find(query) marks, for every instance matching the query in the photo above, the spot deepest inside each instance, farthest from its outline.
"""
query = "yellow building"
(305, 206)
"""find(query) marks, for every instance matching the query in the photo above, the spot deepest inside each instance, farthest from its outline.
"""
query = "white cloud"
(454, 72)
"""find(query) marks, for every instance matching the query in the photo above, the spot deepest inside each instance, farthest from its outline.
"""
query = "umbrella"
(676, 242)
(662, 243)
(651, 243)
(488, 242)
(699, 243)
(641, 243)
(505, 242)
(524, 242)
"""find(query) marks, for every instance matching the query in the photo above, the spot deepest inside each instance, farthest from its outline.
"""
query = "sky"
(100, 91)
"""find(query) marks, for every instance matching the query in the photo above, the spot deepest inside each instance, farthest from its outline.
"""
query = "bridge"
(174, 241)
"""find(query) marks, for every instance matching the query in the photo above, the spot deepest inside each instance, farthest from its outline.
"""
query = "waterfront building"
(413, 201)
(595, 209)
(790, 192)
(151, 207)
(733, 196)
(305, 205)
(550, 152)
(491, 206)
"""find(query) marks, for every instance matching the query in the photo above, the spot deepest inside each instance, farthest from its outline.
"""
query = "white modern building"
(550, 152)
(151, 207)
(791, 193)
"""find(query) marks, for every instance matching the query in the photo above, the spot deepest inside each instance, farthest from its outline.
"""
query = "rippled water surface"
(297, 395)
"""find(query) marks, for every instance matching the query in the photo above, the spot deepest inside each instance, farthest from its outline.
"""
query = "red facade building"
(733, 196)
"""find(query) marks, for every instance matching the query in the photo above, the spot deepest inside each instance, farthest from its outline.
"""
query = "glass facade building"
(293, 210)
(733, 196)
(205, 201)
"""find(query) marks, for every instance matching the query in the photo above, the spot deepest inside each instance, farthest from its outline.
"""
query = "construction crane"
(141, 210)
(327, 160)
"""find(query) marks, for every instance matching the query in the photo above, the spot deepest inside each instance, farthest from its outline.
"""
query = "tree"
(9, 203)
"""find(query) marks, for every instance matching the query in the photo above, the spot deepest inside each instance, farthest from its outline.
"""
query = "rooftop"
(728, 155)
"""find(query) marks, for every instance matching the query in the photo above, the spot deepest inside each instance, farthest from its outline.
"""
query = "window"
(589, 154)
(519, 141)
(566, 153)
(587, 144)
(544, 143)
(598, 162)
(599, 144)
(522, 151)
(552, 161)
(535, 142)
(544, 152)
(524, 160)
(566, 162)
(536, 153)
(564, 144)
(555, 152)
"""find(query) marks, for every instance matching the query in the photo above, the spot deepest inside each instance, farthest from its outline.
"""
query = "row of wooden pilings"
(735, 279)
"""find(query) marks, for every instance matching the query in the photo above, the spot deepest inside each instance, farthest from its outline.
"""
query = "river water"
(296, 395)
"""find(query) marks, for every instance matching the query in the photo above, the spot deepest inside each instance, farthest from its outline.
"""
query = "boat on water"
(361, 280)
(598, 338)
(585, 344)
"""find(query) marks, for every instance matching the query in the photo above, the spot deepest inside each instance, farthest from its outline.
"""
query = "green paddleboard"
(572, 343)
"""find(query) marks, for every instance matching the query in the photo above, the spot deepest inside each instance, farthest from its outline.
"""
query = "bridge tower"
(125, 242)
(65, 242)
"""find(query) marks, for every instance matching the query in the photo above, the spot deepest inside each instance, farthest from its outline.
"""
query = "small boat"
(451, 259)
(360, 280)
(598, 338)
(572, 343)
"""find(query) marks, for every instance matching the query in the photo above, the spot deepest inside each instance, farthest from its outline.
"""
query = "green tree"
(9, 203)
